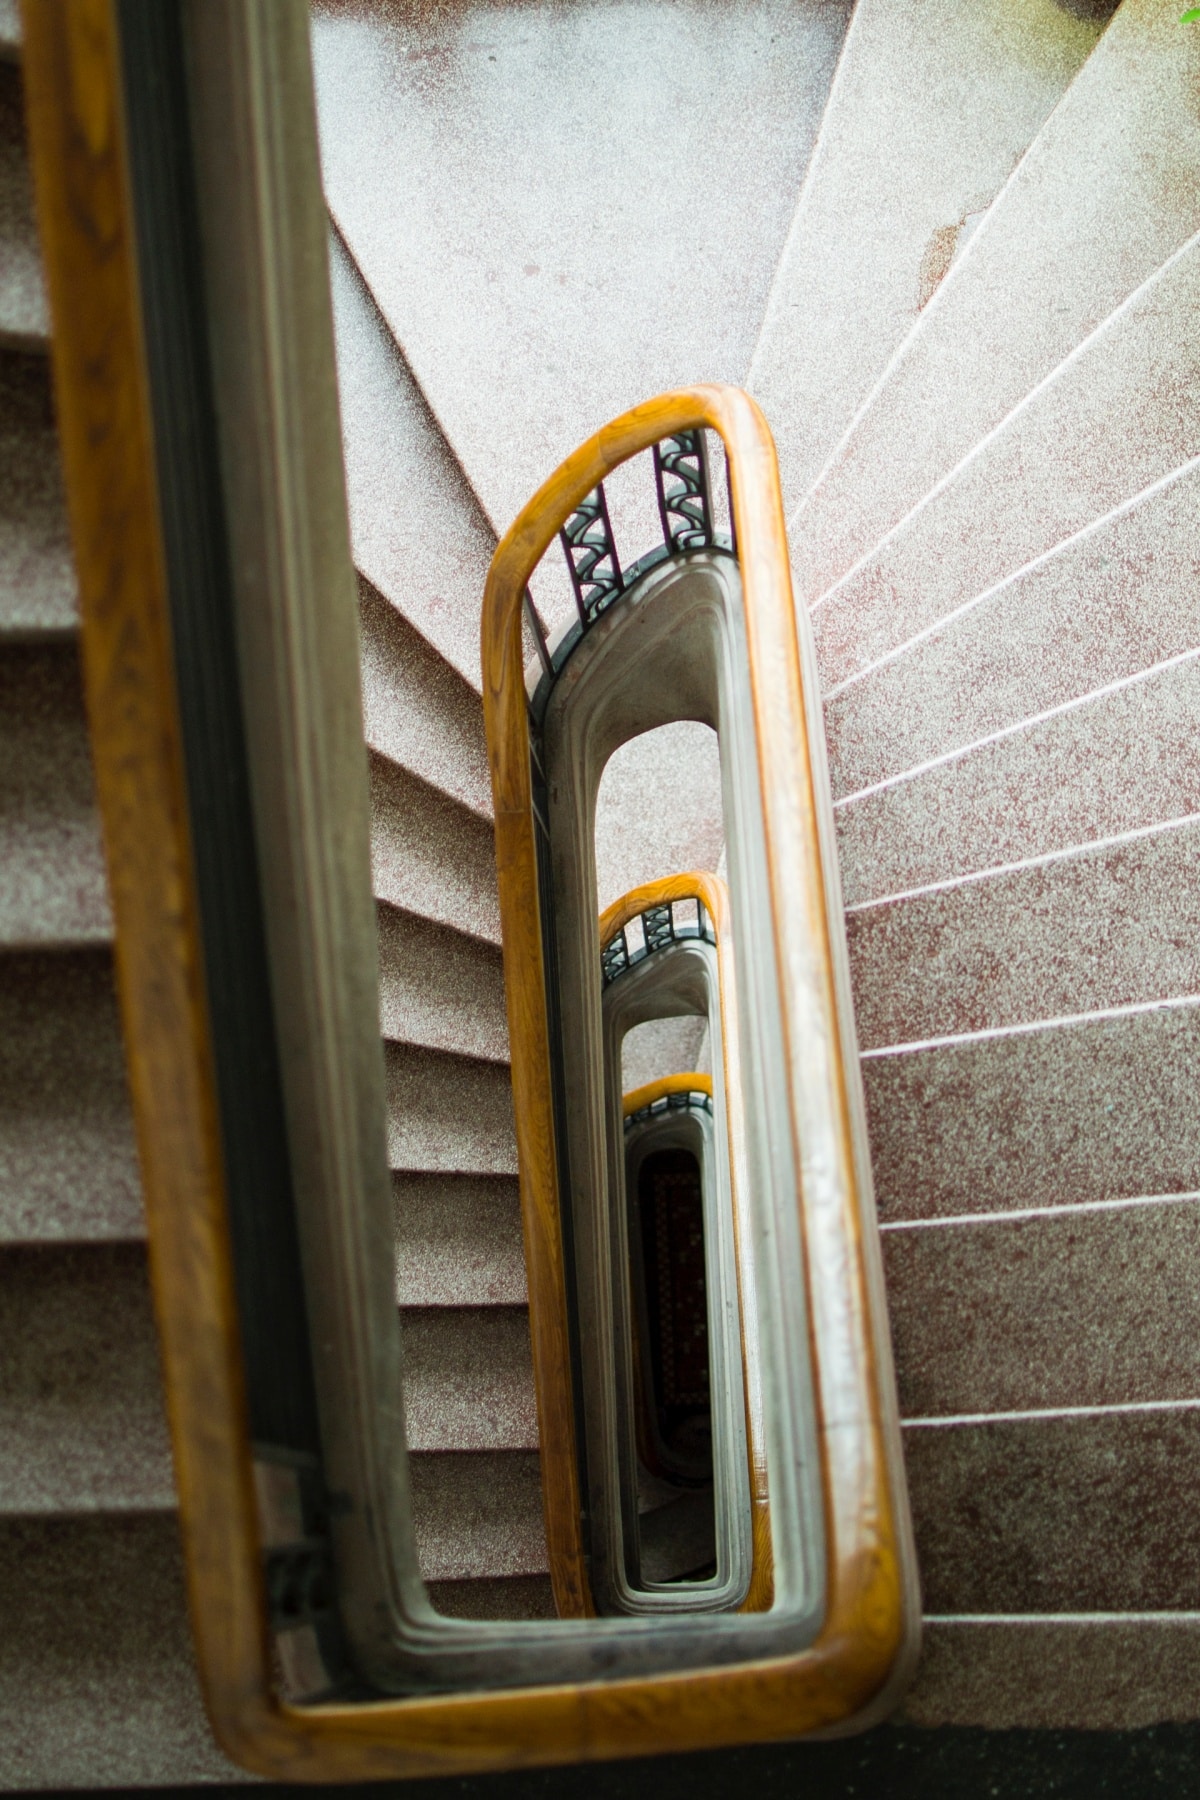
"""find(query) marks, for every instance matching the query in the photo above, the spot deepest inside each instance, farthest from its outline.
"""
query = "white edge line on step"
(1069, 1209)
(1114, 1619)
(1117, 1409)
(1104, 1014)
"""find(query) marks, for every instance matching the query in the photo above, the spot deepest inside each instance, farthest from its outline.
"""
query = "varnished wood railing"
(713, 896)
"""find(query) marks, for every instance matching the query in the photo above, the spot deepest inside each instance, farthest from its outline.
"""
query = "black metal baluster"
(588, 543)
(685, 506)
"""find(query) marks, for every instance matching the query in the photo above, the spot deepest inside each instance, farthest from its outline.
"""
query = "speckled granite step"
(1105, 194)
(430, 856)
(906, 162)
(478, 1515)
(1094, 1108)
(547, 276)
(458, 1241)
(1120, 416)
(68, 1168)
(440, 990)
(38, 595)
(468, 1378)
(1107, 925)
(1116, 761)
(52, 880)
(448, 1114)
(1098, 608)
(24, 313)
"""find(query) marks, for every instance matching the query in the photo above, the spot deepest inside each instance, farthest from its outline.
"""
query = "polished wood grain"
(666, 1085)
(713, 893)
(73, 89)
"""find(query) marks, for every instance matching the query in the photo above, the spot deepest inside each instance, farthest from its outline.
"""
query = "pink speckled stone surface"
(10, 29)
(906, 160)
(430, 856)
(24, 314)
(98, 1687)
(1120, 415)
(1097, 1672)
(417, 530)
(1100, 1109)
(448, 1114)
(468, 1378)
(53, 888)
(1098, 609)
(1105, 194)
(518, 1597)
(658, 809)
(68, 1169)
(1092, 1306)
(439, 989)
(1057, 1512)
(458, 1241)
(37, 579)
(478, 1514)
(417, 709)
(563, 212)
(81, 1414)
(1112, 925)
(1118, 761)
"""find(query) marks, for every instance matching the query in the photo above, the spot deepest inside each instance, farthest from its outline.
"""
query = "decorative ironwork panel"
(684, 496)
(587, 539)
(659, 928)
(614, 958)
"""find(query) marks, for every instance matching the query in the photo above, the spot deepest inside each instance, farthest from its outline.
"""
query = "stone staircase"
(969, 326)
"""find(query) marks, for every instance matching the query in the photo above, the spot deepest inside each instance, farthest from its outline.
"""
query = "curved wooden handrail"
(639, 1098)
(73, 94)
(713, 894)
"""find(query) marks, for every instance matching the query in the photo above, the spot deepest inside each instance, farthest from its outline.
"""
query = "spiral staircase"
(952, 251)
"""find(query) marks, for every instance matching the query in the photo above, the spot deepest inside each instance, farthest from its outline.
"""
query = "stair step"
(417, 709)
(1120, 760)
(1077, 1306)
(468, 1378)
(68, 1166)
(430, 856)
(658, 808)
(419, 534)
(458, 1241)
(538, 287)
(1105, 194)
(1090, 1109)
(10, 30)
(81, 1414)
(515, 1597)
(448, 1114)
(1057, 1512)
(98, 1686)
(24, 313)
(38, 594)
(440, 990)
(906, 161)
(53, 888)
(1120, 1672)
(1107, 925)
(478, 1514)
(1118, 417)
(1097, 609)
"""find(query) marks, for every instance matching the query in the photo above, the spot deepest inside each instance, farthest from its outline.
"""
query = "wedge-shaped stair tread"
(1105, 194)
(1107, 603)
(417, 529)
(478, 1514)
(81, 1413)
(1119, 416)
(1057, 1512)
(906, 160)
(52, 881)
(431, 856)
(538, 287)
(1094, 1109)
(38, 594)
(440, 990)
(448, 1114)
(458, 1241)
(1108, 925)
(517, 1597)
(24, 315)
(1082, 1306)
(418, 711)
(98, 1688)
(1117, 761)
(1120, 1672)
(468, 1378)
(68, 1167)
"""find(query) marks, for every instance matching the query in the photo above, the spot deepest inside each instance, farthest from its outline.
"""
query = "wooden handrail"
(74, 99)
(637, 1099)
